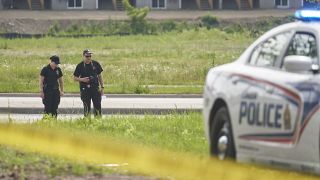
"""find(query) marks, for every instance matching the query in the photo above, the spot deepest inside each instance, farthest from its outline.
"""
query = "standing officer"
(50, 80)
(88, 73)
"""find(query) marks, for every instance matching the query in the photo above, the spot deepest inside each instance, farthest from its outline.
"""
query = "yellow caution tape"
(87, 148)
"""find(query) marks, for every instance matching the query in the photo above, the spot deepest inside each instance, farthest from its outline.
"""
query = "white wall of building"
(173, 4)
(295, 3)
(59, 5)
(143, 3)
(267, 4)
(89, 4)
(270, 4)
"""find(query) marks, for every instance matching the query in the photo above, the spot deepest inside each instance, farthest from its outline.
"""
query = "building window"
(74, 3)
(282, 3)
(158, 4)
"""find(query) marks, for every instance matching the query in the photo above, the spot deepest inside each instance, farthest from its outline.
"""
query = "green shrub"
(140, 89)
(54, 29)
(117, 27)
(168, 26)
(209, 21)
(234, 28)
(4, 45)
(74, 29)
(137, 24)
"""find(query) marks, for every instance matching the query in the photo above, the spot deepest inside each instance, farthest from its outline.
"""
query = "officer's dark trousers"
(88, 94)
(51, 101)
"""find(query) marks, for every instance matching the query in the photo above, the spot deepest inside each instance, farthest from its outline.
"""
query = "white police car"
(264, 107)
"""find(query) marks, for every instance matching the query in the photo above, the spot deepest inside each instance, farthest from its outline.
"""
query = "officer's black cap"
(55, 59)
(87, 52)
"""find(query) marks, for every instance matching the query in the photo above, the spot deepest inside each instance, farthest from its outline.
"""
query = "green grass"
(25, 164)
(177, 133)
(182, 133)
(129, 62)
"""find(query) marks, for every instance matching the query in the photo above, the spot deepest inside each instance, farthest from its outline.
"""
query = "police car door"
(296, 128)
(271, 108)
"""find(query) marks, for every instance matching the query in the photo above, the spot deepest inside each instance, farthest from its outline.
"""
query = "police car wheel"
(222, 144)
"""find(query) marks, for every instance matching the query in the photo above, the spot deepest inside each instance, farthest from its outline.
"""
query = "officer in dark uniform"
(88, 73)
(50, 81)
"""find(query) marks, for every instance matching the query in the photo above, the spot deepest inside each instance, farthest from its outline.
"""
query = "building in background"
(155, 4)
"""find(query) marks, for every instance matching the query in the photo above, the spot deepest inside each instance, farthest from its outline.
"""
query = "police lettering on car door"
(269, 115)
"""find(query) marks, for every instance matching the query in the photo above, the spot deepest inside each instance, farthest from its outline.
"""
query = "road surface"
(121, 104)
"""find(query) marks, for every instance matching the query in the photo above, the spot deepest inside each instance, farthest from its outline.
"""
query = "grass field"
(177, 133)
(130, 62)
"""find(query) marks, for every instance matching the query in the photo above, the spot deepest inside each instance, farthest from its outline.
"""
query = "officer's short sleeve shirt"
(51, 76)
(86, 70)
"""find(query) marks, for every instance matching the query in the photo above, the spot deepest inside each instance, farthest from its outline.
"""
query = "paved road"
(29, 118)
(110, 105)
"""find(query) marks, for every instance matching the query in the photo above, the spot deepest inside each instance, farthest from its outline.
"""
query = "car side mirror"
(298, 64)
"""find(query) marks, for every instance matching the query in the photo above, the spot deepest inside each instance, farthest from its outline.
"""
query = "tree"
(137, 16)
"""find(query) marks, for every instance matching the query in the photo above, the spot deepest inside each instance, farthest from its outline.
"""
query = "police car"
(264, 107)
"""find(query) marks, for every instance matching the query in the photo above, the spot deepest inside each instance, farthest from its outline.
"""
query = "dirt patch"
(36, 26)
(153, 15)
(39, 22)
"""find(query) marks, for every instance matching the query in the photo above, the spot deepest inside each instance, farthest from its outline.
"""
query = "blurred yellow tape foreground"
(83, 147)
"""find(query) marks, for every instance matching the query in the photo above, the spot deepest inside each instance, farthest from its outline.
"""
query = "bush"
(234, 28)
(168, 26)
(75, 29)
(4, 46)
(54, 29)
(209, 21)
(140, 89)
(139, 25)
(184, 26)
(117, 28)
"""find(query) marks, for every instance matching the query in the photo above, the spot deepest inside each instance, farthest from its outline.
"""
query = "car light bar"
(308, 15)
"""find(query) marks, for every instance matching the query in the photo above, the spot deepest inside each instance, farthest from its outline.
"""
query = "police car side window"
(267, 53)
(304, 44)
